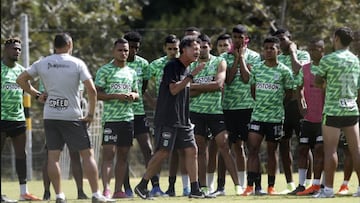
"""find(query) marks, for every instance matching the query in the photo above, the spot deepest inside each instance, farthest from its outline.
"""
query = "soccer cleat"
(289, 188)
(142, 192)
(299, 188)
(186, 191)
(357, 193)
(46, 195)
(238, 190)
(107, 193)
(204, 190)
(119, 194)
(271, 191)
(29, 197)
(156, 192)
(310, 191)
(248, 191)
(82, 195)
(5, 199)
(219, 192)
(101, 199)
(59, 200)
(260, 192)
(129, 193)
(344, 190)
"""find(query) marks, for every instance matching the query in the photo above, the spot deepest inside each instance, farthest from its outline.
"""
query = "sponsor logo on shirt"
(267, 86)
(54, 65)
(59, 103)
(10, 86)
(120, 86)
(205, 79)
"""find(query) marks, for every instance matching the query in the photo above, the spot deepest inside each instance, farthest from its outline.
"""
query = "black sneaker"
(59, 200)
(197, 195)
(46, 195)
(142, 192)
(299, 188)
(170, 192)
(82, 195)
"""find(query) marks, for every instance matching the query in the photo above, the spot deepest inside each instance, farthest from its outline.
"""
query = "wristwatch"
(190, 76)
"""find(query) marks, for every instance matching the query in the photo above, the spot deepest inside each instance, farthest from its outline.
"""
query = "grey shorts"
(73, 133)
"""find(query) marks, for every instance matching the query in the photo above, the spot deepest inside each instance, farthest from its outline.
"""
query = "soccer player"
(237, 101)
(340, 71)
(12, 114)
(117, 86)
(271, 86)
(206, 111)
(223, 44)
(311, 102)
(63, 121)
(172, 122)
(294, 59)
(141, 128)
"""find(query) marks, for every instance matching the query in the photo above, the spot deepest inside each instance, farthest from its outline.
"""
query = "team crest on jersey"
(276, 76)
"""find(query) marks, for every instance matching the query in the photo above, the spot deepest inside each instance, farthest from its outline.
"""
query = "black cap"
(240, 29)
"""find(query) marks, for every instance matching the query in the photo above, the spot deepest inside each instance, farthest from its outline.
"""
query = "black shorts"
(237, 124)
(310, 133)
(205, 122)
(292, 119)
(12, 128)
(141, 125)
(72, 133)
(341, 121)
(119, 133)
(172, 137)
(272, 131)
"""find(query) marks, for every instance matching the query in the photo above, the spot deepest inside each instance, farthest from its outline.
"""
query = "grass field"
(11, 189)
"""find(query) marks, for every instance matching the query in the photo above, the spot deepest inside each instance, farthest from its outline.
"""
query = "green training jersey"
(208, 102)
(115, 80)
(141, 66)
(237, 94)
(12, 108)
(302, 56)
(341, 71)
(156, 71)
(270, 84)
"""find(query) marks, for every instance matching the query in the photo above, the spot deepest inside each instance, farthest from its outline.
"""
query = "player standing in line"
(294, 59)
(311, 103)
(12, 114)
(116, 84)
(237, 102)
(223, 45)
(339, 73)
(271, 86)
(206, 111)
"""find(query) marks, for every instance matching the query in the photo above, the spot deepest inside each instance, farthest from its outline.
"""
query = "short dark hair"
(120, 41)
(239, 29)
(282, 31)
(61, 40)
(272, 39)
(345, 35)
(190, 29)
(133, 36)
(12, 40)
(171, 39)
(223, 37)
(205, 38)
(318, 41)
(187, 41)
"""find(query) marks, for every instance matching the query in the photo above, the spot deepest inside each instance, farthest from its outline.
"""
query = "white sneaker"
(324, 194)
(238, 190)
(357, 194)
